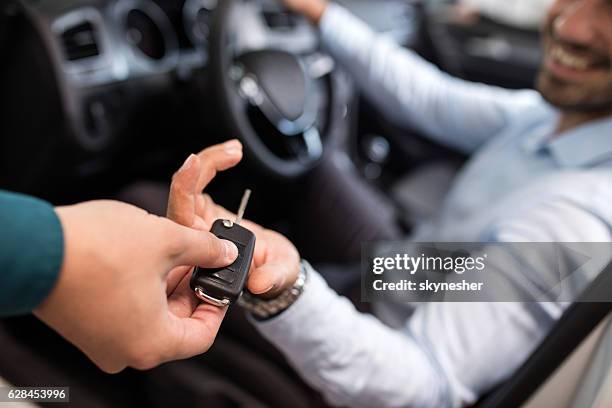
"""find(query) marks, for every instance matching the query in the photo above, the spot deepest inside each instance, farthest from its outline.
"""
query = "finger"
(194, 335)
(217, 158)
(182, 199)
(182, 301)
(175, 276)
(195, 174)
(200, 248)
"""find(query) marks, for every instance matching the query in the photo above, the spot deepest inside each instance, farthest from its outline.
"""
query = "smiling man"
(541, 171)
(577, 72)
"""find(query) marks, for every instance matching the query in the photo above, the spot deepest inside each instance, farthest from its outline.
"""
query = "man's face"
(577, 70)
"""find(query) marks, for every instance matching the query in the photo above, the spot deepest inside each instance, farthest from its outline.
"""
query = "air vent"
(80, 42)
(280, 20)
(143, 32)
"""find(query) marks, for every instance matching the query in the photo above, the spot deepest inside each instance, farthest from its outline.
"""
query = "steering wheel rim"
(241, 80)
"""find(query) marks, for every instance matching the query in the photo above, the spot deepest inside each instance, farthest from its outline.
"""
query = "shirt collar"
(583, 146)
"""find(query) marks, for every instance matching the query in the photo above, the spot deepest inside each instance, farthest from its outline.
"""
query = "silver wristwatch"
(263, 309)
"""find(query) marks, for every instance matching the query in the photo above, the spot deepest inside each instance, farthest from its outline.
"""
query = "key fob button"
(226, 275)
(238, 262)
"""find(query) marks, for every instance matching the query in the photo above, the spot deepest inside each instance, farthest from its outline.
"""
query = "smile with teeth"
(570, 60)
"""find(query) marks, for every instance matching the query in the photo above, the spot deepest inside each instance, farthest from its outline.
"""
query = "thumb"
(201, 248)
(269, 280)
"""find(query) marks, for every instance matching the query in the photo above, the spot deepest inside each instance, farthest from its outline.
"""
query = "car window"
(525, 14)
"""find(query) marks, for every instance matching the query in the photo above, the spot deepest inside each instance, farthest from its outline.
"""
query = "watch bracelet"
(264, 309)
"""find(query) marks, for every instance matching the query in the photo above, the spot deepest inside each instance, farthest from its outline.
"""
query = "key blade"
(243, 205)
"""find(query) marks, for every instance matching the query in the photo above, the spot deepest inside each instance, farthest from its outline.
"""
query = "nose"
(575, 23)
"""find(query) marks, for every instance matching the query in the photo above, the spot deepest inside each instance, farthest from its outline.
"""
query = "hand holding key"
(276, 262)
(114, 299)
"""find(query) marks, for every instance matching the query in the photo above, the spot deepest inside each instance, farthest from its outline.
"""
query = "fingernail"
(231, 251)
(233, 147)
(233, 152)
(268, 289)
(188, 163)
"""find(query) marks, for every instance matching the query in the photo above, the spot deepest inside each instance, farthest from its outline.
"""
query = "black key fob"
(224, 286)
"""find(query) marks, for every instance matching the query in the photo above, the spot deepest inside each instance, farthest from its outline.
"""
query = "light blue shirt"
(522, 184)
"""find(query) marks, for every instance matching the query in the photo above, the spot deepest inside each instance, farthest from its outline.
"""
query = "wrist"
(62, 282)
(266, 309)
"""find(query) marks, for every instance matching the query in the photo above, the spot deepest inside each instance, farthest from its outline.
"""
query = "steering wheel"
(273, 85)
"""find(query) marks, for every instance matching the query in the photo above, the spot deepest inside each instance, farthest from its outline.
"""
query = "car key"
(223, 286)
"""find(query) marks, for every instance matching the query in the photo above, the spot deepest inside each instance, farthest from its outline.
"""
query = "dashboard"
(101, 42)
(106, 77)
(108, 56)
(103, 48)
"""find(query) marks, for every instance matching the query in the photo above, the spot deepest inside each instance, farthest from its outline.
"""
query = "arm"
(448, 354)
(353, 358)
(409, 90)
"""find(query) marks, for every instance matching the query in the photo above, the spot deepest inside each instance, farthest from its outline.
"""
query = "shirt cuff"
(31, 252)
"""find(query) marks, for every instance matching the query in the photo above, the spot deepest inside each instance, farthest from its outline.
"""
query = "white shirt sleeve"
(352, 358)
(412, 92)
(447, 354)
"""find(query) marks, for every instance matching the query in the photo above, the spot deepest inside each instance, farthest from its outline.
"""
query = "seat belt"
(578, 321)
(595, 388)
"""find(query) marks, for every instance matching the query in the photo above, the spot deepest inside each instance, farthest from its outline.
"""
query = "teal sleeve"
(31, 252)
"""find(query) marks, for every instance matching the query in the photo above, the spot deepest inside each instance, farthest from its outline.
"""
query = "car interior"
(106, 98)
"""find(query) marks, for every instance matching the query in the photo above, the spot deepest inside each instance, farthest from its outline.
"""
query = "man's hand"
(115, 299)
(311, 9)
(275, 262)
